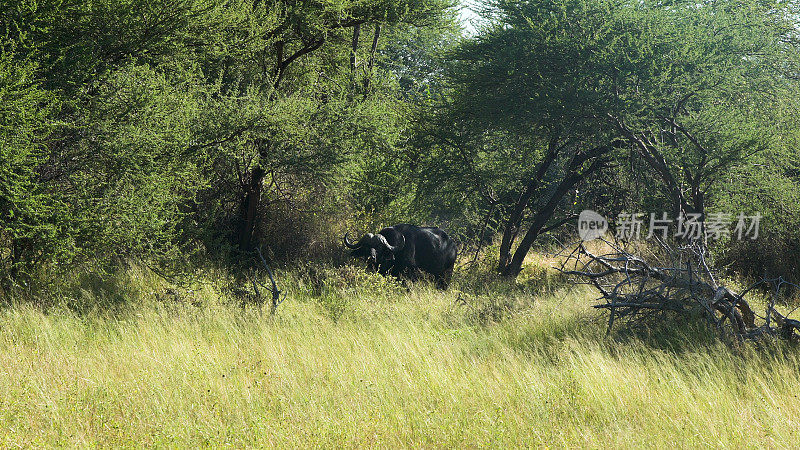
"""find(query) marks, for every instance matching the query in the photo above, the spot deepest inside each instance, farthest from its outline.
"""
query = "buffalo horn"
(349, 244)
(400, 244)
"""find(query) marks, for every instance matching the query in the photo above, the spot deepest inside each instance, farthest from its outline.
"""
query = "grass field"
(352, 360)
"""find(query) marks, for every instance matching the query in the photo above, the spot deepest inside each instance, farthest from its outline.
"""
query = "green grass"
(353, 360)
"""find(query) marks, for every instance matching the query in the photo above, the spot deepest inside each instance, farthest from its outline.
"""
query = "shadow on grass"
(539, 311)
(112, 290)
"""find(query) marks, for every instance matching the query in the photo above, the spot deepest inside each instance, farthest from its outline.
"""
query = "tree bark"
(372, 51)
(514, 220)
(250, 203)
(282, 64)
(542, 216)
(574, 176)
(353, 56)
(655, 159)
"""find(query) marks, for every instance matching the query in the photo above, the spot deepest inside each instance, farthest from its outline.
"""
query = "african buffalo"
(403, 248)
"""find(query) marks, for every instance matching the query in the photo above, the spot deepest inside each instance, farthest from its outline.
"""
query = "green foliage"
(768, 184)
(136, 175)
(30, 216)
(686, 92)
(133, 129)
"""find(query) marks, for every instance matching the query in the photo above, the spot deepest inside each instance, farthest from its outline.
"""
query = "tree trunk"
(249, 209)
(573, 176)
(15, 259)
(353, 60)
(698, 200)
(515, 219)
(372, 51)
(542, 217)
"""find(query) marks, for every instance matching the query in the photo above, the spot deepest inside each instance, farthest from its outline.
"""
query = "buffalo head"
(378, 252)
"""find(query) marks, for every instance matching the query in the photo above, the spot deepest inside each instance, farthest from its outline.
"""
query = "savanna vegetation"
(156, 157)
(355, 359)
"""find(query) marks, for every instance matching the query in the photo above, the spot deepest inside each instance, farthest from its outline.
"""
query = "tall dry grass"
(354, 360)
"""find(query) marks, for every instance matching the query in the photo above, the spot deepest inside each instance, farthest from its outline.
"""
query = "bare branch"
(682, 282)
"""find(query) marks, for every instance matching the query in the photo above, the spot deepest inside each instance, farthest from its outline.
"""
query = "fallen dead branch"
(276, 293)
(679, 281)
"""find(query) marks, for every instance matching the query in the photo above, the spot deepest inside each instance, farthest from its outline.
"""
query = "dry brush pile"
(675, 280)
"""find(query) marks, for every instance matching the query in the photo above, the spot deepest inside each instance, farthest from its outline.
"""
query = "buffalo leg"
(443, 279)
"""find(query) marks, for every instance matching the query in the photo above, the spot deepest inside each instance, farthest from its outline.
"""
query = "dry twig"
(680, 282)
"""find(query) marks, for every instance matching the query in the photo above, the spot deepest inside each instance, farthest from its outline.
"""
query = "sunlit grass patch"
(399, 366)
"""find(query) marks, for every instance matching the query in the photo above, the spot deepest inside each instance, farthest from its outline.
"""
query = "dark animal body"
(402, 249)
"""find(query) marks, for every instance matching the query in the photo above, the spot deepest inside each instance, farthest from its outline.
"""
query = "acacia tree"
(27, 212)
(686, 86)
(522, 132)
(693, 87)
(333, 30)
(150, 124)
